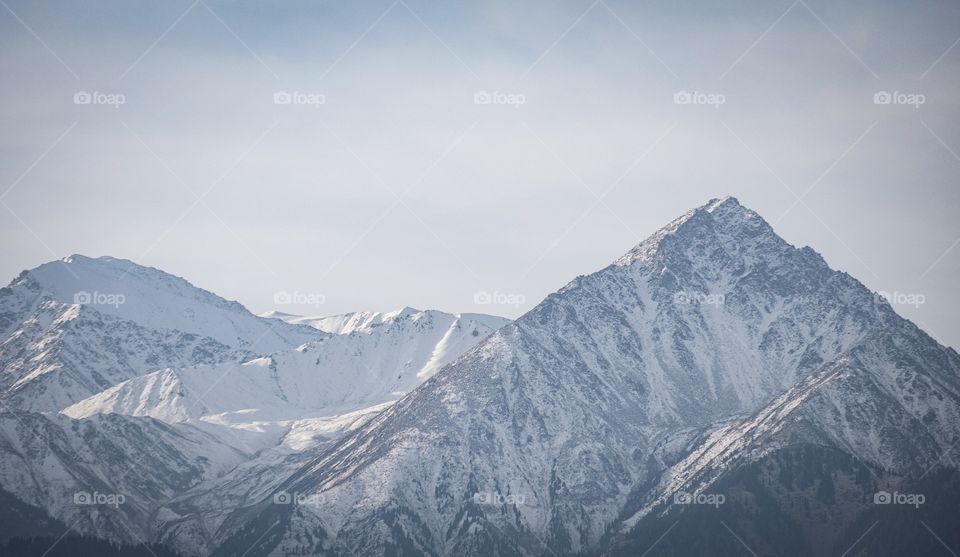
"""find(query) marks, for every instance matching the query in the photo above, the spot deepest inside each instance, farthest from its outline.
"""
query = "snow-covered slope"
(105, 475)
(158, 300)
(280, 411)
(61, 354)
(712, 358)
(547, 435)
(375, 359)
(74, 327)
(172, 393)
(444, 335)
(870, 403)
(369, 321)
(188, 522)
(802, 475)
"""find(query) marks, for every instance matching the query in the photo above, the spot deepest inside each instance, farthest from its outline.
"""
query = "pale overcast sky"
(400, 189)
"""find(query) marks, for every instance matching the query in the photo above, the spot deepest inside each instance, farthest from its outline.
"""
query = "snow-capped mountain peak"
(559, 421)
(155, 299)
(712, 356)
(720, 218)
(76, 326)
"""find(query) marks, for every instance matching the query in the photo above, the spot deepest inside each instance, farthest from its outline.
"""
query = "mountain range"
(714, 391)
